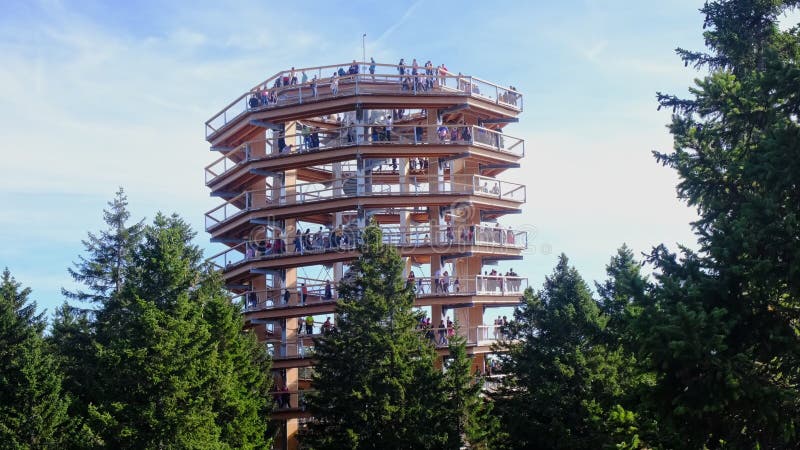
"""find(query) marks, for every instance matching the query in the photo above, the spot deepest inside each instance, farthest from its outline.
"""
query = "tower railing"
(443, 239)
(354, 186)
(424, 287)
(438, 336)
(375, 134)
(290, 90)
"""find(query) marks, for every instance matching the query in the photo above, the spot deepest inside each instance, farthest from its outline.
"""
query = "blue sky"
(96, 95)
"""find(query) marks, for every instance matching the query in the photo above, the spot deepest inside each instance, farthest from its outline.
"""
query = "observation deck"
(387, 88)
(307, 160)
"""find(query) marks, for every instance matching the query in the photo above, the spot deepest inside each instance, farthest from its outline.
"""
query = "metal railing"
(479, 285)
(317, 293)
(437, 336)
(364, 135)
(356, 186)
(287, 88)
(348, 238)
(286, 400)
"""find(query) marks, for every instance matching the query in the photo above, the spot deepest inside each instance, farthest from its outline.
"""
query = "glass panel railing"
(440, 336)
(349, 238)
(226, 211)
(495, 235)
(240, 155)
(372, 134)
(503, 190)
(317, 294)
(500, 285)
(352, 187)
(271, 298)
(282, 351)
(286, 400)
(288, 88)
(479, 285)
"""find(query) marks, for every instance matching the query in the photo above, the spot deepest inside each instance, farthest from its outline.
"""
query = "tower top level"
(300, 86)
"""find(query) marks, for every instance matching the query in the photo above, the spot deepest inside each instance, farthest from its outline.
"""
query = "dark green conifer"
(33, 407)
(374, 378)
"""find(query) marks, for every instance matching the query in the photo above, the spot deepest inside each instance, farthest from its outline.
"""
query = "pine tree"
(103, 270)
(722, 333)
(241, 389)
(33, 408)
(468, 415)
(622, 297)
(623, 294)
(564, 384)
(374, 378)
(155, 356)
(72, 341)
(175, 369)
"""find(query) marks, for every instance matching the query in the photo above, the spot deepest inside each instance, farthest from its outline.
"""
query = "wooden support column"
(290, 180)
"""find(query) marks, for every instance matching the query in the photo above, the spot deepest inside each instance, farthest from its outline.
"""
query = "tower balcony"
(245, 163)
(239, 213)
(488, 290)
(342, 244)
(386, 88)
(300, 351)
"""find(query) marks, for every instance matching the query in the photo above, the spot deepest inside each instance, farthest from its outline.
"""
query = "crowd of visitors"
(415, 78)
(440, 335)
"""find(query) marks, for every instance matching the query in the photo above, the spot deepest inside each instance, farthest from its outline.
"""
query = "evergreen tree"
(622, 294)
(103, 270)
(33, 408)
(564, 383)
(374, 378)
(622, 297)
(468, 415)
(722, 334)
(72, 341)
(241, 389)
(155, 355)
(176, 370)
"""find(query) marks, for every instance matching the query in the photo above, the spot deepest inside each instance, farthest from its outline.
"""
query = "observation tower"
(308, 159)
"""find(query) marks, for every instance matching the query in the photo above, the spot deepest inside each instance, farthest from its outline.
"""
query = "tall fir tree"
(623, 294)
(33, 407)
(72, 342)
(176, 369)
(468, 417)
(622, 297)
(109, 253)
(564, 383)
(242, 376)
(723, 333)
(155, 357)
(375, 384)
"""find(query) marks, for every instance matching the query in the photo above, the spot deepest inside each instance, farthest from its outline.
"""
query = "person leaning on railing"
(372, 68)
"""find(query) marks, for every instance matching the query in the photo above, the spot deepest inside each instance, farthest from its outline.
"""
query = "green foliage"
(109, 253)
(176, 369)
(72, 343)
(722, 332)
(163, 361)
(374, 378)
(565, 380)
(33, 408)
(468, 417)
(242, 382)
(622, 295)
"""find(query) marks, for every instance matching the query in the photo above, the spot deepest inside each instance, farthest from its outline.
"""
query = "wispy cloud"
(403, 19)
